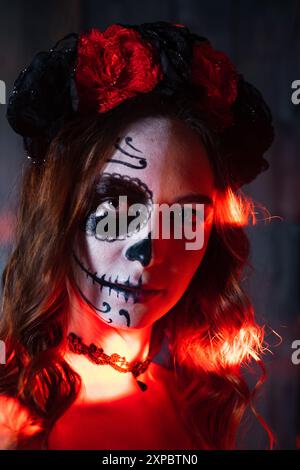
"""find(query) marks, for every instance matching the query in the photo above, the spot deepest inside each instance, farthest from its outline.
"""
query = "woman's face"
(133, 280)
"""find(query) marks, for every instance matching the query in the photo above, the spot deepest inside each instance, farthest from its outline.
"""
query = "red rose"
(113, 66)
(213, 71)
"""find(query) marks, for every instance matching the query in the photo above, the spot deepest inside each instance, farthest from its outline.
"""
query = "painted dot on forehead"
(136, 162)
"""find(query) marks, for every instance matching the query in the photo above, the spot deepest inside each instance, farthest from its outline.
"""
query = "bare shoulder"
(15, 420)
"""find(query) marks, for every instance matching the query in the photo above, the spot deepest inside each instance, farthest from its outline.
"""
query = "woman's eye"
(193, 218)
(190, 216)
(111, 204)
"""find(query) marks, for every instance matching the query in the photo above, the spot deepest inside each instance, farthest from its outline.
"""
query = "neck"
(133, 344)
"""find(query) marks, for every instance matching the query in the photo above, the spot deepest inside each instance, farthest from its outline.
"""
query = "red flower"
(213, 71)
(113, 66)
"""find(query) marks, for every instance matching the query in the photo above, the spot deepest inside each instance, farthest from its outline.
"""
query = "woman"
(125, 340)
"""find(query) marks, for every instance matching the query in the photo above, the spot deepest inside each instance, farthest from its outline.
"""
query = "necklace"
(98, 356)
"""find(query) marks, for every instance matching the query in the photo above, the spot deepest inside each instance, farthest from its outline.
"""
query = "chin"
(137, 321)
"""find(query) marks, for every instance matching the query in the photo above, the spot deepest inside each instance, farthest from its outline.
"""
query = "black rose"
(244, 143)
(44, 95)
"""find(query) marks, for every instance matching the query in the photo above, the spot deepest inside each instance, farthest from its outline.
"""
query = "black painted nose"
(140, 251)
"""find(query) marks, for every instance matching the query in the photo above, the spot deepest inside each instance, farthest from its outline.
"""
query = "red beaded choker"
(98, 356)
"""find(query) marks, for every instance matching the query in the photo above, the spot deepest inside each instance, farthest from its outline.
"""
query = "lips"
(127, 289)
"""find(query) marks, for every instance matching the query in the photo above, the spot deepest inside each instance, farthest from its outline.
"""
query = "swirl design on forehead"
(141, 161)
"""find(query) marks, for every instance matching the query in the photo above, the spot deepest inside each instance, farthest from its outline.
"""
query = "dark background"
(263, 40)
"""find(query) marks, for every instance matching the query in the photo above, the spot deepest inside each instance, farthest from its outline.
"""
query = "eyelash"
(193, 213)
(115, 205)
(109, 199)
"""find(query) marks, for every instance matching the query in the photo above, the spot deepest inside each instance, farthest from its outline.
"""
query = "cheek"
(99, 254)
(183, 262)
(184, 265)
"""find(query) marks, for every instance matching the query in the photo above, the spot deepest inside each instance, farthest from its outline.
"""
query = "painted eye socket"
(117, 209)
(108, 201)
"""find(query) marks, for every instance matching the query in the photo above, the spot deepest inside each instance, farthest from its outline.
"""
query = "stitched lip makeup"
(127, 290)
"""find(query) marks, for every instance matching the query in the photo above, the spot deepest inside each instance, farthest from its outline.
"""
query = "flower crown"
(96, 71)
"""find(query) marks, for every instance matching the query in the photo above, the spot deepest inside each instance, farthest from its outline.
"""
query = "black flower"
(244, 143)
(44, 96)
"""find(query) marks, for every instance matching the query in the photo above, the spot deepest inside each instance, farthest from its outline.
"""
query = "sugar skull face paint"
(131, 282)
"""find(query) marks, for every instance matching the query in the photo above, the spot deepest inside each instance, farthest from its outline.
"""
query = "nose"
(140, 251)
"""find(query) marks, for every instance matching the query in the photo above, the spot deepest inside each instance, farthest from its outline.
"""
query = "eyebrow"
(200, 198)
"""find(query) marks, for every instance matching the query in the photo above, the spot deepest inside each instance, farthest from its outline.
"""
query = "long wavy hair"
(212, 332)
